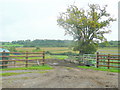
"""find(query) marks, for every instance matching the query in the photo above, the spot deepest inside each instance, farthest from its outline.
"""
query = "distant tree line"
(39, 43)
(53, 43)
(109, 44)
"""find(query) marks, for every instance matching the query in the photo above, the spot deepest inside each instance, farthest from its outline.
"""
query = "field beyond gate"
(22, 59)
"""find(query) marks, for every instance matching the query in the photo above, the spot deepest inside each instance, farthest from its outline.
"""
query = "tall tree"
(86, 26)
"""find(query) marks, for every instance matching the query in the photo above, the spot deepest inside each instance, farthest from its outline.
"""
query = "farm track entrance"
(63, 77)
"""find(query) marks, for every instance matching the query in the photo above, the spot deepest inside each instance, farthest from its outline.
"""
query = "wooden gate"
(22, 58)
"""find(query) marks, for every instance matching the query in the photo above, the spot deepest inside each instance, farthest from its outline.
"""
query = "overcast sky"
(36, 19)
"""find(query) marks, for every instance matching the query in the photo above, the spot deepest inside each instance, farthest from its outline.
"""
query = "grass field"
(106, 50)
(50, 49)
(57, 50)
(15, 45)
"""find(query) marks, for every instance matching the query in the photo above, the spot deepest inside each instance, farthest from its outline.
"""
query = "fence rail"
(108, 61)
(22, 58)
(98, 60)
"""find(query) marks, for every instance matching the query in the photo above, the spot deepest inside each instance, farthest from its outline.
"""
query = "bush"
(47, 52)
(12, 49)
(37, 49)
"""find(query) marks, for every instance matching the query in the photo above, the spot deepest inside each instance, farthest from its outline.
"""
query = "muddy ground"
(64, 75)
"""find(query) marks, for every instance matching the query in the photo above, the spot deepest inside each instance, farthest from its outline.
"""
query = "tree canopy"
(86, 26)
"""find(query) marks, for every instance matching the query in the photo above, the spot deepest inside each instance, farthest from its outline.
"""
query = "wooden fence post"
(97, 60)
(3, 58)
(108, 61)
(14, 63)
(43, 58)
(26, 58)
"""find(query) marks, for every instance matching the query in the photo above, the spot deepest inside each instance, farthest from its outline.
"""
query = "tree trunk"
(81, 57)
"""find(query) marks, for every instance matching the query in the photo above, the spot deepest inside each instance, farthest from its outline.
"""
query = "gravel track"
(62, 77)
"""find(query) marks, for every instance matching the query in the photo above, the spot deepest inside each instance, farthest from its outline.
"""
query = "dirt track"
(62, 77)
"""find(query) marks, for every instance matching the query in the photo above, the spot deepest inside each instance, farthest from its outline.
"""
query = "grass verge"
(12, 73)
(45, 67)
(100, 69)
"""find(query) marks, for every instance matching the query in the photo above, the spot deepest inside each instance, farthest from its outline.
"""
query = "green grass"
(56, 56)
(108, 50)
(45, 67)
(56, 50)
(100, 69)
(46, 57)
(12, 73)
(15, 45)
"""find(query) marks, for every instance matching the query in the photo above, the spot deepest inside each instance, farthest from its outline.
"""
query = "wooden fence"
(108, 61)
(22, 58)
(97, 60)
